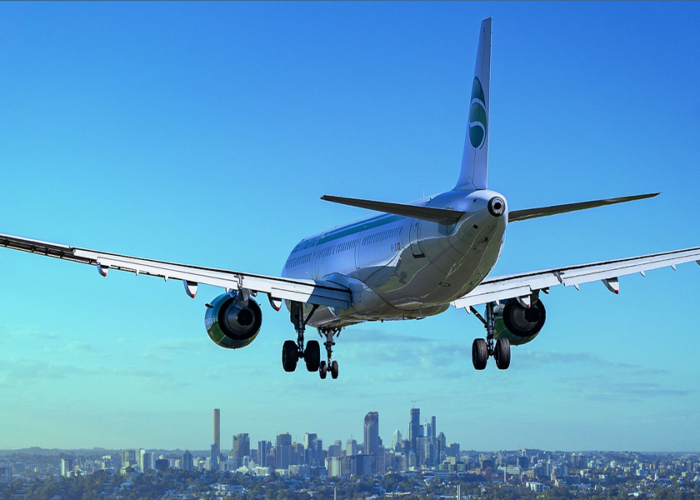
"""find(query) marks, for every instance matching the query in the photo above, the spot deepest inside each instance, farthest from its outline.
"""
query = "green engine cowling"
(518, 324)
(233, 322)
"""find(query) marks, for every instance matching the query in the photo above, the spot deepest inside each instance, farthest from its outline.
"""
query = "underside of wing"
(523, 285)
(305, 291)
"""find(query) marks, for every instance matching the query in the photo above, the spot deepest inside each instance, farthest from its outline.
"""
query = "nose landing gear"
(330, 366)
(482, 349)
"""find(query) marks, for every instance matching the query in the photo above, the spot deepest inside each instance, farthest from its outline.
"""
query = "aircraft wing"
(299, 290)
(521, 286)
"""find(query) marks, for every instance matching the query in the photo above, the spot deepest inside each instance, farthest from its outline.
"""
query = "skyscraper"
(283, 451)
(241, 447)
(263, 453)
(351, 447)
(414, 429)
(371, 433)
(396, 441)
(217, 429)
(432, 428)
(66, 467)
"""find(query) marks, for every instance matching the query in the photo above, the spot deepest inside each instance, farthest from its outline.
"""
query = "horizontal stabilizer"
(430, 214)
(533, 213)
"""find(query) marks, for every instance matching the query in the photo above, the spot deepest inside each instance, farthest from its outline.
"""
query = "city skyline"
(206, 133)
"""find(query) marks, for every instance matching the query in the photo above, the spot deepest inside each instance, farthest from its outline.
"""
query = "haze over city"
(206, 134)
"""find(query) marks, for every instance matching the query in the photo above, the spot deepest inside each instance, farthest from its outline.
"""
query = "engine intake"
(519, 324)
(233, 322)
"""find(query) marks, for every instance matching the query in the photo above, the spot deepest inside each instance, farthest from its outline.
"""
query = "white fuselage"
(403, 268)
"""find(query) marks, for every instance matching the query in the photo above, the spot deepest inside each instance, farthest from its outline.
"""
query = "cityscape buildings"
(423, 462)
(425, 452)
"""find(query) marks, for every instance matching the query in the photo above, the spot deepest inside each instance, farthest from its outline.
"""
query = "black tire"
(480, 354)
(323, 370)
(312, 356)
(502, 354)
(334, 369)
(290, 355)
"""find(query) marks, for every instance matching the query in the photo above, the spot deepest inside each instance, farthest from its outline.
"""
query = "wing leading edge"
(304, 291)
(523, 285)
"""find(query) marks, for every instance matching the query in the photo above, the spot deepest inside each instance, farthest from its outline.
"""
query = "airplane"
(413, 261)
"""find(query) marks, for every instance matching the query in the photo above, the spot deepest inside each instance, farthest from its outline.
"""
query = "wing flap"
(305, 291)
(519, 285)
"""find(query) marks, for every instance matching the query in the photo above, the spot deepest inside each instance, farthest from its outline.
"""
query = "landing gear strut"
(482, 349)
(331, 366)
(294, 351)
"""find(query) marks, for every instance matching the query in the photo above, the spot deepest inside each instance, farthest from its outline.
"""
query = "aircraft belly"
(451, 268)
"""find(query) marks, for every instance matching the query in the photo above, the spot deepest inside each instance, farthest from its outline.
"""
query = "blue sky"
(206, 133)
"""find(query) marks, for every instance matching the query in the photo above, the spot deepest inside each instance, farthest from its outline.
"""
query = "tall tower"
(414, 429)
(371, 433)
(217, 429)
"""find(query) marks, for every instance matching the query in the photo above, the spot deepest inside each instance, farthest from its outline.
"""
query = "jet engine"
(517, 323)
(232, 321)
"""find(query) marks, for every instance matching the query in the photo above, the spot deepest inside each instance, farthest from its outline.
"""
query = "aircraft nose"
(497, 206)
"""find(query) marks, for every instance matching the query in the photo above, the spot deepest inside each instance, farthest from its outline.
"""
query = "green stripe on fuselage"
(358, 227)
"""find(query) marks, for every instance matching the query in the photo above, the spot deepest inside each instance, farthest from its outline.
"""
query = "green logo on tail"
(477, 116)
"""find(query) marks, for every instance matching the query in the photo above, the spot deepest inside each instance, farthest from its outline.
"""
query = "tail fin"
(474, 174)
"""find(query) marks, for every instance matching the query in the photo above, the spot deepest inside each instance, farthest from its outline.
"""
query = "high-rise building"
(415, 430)
(263, 453)
(432, 428)
(311, 455)
(67, 467)
(350, 447)
(129, 458)
(309, 440)
(442, 447)
(217, 429)
(283, 451)
(371, 433)
(187, 462)
(241, 447)
(145, 460)
(396, 441)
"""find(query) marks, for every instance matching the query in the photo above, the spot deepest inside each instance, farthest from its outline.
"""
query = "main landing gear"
(482, 349)
(293, 351)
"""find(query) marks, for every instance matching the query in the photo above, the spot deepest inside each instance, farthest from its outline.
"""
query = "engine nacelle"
(233, 322)
(518, 324)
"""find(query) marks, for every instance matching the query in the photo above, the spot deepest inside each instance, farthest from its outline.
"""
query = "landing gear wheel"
(480, 354)
(334, 369)
(502, 354)
(312, 356)
(323, 370)
(290, 355)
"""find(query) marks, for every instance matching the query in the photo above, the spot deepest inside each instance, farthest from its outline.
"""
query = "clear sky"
(206, 133)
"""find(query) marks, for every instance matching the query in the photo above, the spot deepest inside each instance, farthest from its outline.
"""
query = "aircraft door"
(358, 244)
(414, 238)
